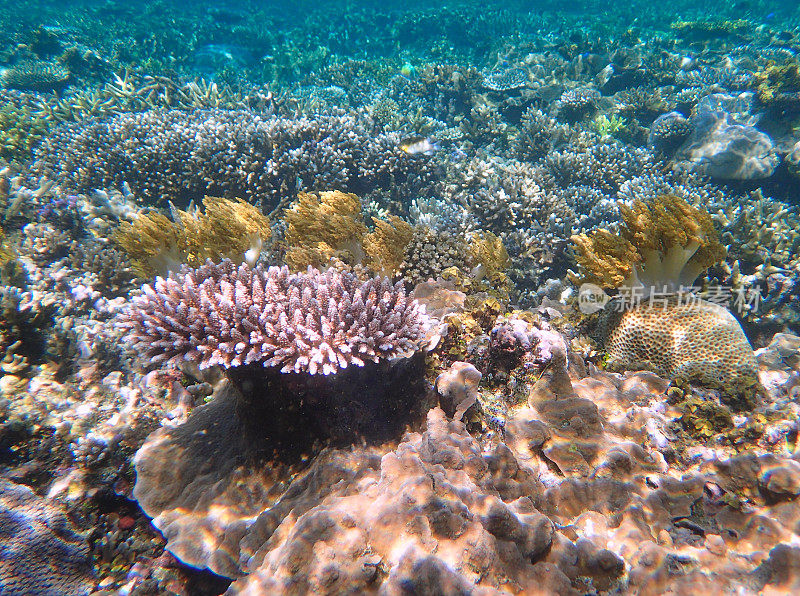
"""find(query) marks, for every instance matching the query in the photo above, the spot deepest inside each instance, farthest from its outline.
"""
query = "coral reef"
(35, 75)
(663, 136)
(20, 130)
(230, 153)
(505, 80)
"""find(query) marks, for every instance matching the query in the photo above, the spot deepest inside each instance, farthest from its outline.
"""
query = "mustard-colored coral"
(777, 79)
(487, 250)
(20, 131)
(386, 245)
(6, 252)
(713, 29)
(224, 229)
(662, 243)
(324, 226)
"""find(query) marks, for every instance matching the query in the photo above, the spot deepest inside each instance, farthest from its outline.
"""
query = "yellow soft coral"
(323, 226)
(6, 252)
(664, 243)
(224, 229)
(386, 245)
(487, 250)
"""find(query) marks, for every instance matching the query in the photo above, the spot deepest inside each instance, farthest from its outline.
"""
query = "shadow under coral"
(206, 481)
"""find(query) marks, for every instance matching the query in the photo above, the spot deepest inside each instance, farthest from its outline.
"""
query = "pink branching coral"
(314, 322)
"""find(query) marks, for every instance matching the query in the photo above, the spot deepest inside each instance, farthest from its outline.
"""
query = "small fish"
(417, 145)
(408, 70)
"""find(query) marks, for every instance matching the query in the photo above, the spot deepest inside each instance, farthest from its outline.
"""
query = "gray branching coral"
(314, 322)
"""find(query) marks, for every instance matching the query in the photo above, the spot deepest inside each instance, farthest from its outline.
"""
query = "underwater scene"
(399, 298)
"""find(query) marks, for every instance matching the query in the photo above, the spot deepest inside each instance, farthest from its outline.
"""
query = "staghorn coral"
(305, 322)
(643, 104)
(224, 229)
(607, 127)
(538, 135)
(605, 165)
(664, 244)
(440, 215)
(45, 243)
(320, 227)
(231, 153)
(110, 267)
(131, 92)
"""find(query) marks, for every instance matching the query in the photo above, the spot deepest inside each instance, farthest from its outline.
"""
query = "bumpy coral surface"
(699, 341)
(40, 551)
(574, 496)
(315, 322)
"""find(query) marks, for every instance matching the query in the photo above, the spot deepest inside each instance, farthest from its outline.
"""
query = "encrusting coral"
(663, 244)
(224, 229)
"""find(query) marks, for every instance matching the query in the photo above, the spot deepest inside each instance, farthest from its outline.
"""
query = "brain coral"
(314, 322)
(40, 552)
(697, 341)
